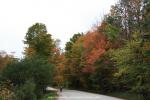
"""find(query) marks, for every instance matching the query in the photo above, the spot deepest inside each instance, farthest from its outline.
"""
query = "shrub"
(37, 69)
(6, 91)
(26, 91)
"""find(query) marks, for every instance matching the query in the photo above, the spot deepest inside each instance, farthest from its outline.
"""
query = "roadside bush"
(6, 91)
(37, 69)
(26, 91)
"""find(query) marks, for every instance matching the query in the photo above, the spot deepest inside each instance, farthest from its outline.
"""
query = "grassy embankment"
(50, 96)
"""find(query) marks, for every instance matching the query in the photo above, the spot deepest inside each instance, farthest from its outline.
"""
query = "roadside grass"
(50, 96)
(127, 96)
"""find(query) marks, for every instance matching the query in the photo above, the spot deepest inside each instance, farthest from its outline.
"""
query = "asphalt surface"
(80, 95)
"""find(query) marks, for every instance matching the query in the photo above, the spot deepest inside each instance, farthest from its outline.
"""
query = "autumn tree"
(99, 67)
(5, 59)
(94, 45)
(114, 52)
(58, 59)
(59, 78)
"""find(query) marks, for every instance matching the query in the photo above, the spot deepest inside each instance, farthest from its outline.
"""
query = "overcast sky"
(63, 18)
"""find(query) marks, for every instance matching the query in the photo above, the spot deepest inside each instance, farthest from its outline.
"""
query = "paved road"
(79, 95)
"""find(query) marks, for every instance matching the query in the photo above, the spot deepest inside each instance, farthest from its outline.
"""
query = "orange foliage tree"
(94, 46)
(58, 60)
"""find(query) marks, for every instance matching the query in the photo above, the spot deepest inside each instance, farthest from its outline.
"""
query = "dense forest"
(113, 56)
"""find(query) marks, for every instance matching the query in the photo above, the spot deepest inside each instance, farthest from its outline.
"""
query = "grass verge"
(50, 96)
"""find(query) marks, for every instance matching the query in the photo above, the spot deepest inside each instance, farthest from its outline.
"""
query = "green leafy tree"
(127, 15)
(75, 63)
(73, 54)
(70, 43)
(103, 74)
(133, 65)
(38, 41)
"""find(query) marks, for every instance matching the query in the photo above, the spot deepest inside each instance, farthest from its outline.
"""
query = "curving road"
(80, 95)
